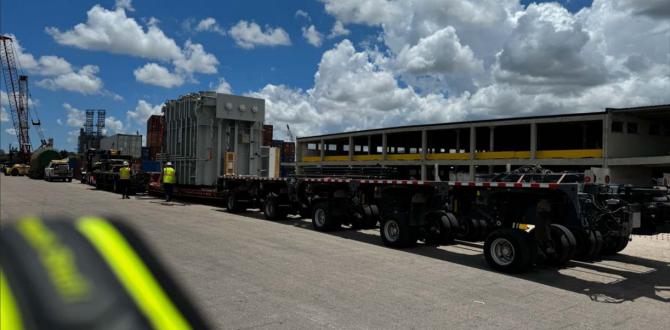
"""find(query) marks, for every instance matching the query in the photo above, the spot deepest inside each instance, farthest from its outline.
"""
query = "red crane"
(16, 85)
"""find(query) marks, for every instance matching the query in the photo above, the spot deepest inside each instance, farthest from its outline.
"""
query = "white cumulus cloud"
(143, 111)
(157, 75)
(338, 30)
(209, 24)
(222, 86)
(83, 81)
(249, 35)
(75, 117)
(313, 37)
(115, 32)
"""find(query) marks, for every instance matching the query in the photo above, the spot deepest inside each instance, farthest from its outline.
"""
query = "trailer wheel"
(470, 230)
(272, 211)
(115, 187)
(448, 227)
(396, 233)
(232, 205)
(565, 245)
(509, 250)
(15, 172)
(589, 244)
(322, 220)
(615, 244)
(369, 219)
(69, 179)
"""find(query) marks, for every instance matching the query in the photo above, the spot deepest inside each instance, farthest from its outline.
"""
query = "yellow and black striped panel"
(85, 274)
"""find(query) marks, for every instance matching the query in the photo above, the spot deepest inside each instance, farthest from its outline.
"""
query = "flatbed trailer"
(521, 223)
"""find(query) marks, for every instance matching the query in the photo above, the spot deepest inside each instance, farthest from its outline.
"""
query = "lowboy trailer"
(520, 223)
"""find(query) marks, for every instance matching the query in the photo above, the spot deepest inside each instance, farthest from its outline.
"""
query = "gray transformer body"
(203, 130)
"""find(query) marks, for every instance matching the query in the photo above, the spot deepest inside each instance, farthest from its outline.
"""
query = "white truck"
(58, 170)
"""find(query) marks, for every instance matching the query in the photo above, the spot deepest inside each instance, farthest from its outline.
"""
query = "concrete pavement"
(246, 272)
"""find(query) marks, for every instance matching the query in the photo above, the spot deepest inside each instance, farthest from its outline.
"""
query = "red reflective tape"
(518, 185)
(535, 185)
(554, 186)
(486, 184)
(502, 184)
(471, 184)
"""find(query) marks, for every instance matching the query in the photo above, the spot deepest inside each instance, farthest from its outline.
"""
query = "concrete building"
(126, 144)
(633, 141)
(209, 134)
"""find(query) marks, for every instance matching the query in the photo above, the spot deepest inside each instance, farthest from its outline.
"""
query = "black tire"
(509, 250)
(115, 186)
(232, 204)
(15, 172)
(449, 228)
(396, 233)
(615, 244)
(69, 179)
(470, 230)
(322, 219)
(589, 244)
(272, 211)
(369, 218)
(565, 245)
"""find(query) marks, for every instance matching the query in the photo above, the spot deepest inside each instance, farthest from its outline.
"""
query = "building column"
(473, 146)
(533, 141)
(322, 149)
(424, 172)
(384, 146)
(351, 148)
(424, 144)
(606, 130)
(458, 140)
(491, 144)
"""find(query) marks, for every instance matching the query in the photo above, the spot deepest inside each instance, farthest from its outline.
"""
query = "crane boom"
(17, 94)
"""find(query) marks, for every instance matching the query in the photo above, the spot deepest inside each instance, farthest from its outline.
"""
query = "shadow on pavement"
(613, 279)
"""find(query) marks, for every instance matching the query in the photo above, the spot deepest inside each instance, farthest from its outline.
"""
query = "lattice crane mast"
(17, 94)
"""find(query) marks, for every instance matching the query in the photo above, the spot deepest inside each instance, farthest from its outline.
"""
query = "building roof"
(645, 109)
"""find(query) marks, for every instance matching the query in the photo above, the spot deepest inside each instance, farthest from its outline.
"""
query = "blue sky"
(283, 73)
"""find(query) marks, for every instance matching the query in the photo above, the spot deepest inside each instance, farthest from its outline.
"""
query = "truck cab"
(58, 170)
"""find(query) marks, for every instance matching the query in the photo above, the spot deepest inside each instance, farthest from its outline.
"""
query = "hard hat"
(125, 163)
(168, 164)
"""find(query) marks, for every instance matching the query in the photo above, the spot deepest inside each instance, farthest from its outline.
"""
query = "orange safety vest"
(169, 175)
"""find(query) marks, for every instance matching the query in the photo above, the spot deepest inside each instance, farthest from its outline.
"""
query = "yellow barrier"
(403, 156)
(503, 155)
(448, 156)
(367, 157)
(311, 158)
(336, 158)
(573, 153)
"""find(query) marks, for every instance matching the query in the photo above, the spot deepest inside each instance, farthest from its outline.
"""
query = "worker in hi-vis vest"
(169, 179)
(124, 180)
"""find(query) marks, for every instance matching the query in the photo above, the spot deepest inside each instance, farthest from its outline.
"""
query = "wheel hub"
(391, 230)
(320, 217)
(502, 251)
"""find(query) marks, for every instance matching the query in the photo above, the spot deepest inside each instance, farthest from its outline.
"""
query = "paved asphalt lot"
(246, 272)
